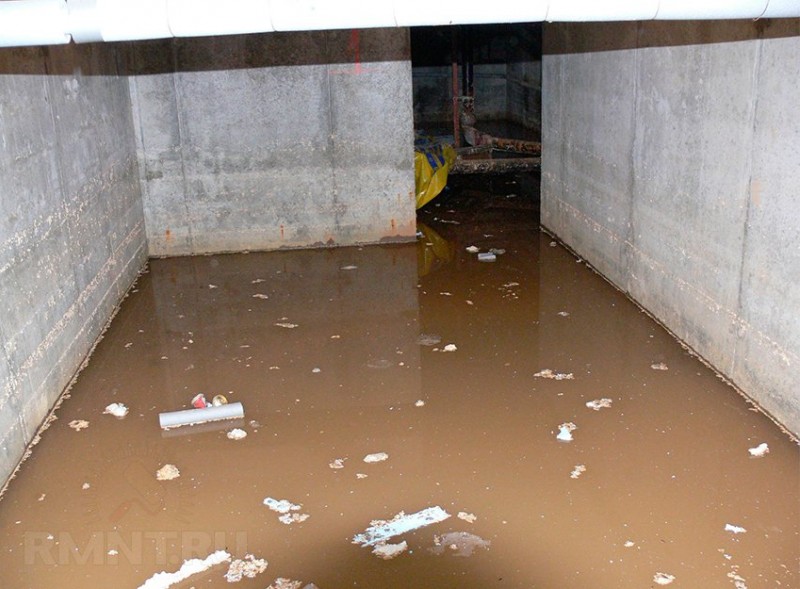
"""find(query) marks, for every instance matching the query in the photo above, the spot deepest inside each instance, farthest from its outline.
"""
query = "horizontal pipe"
(46, 22)
(195, 416)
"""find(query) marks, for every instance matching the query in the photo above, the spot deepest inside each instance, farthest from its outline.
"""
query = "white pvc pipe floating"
(44, 22)
(194, 416)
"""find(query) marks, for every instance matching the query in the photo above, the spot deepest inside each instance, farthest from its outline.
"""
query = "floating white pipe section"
(43, 22)
(194, 416)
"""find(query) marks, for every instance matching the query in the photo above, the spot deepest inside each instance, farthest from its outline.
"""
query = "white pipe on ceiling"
(46, 22)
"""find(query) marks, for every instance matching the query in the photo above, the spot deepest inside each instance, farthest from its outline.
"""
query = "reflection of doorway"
(498, 65)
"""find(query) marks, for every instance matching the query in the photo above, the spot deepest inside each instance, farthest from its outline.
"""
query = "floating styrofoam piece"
(236, 434)
(486, 257)
(381, 531)
(577, 471)
(760, 450)
(734, 529)
(565, 432)
(168, 472)
(164, 580)
(116, 409)
(599, 404)
(389, 551)
(194, 416)
(663, 578)
(249, 567)
(473, 249)
(376, 457)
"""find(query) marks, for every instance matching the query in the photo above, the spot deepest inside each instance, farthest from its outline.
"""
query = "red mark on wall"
(394, 226)
(281, 231)
(354, 50)
(167, 235)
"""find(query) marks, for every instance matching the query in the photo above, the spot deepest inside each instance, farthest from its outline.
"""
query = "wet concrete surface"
(643, 492)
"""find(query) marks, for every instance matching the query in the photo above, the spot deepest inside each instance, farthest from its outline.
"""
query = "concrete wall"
(433, 93)
(672, 164)
(71, 223)
(281, 140)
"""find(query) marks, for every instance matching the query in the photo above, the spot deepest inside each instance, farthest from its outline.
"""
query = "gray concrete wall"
(282, 140)
(671, 162)
(71, 223)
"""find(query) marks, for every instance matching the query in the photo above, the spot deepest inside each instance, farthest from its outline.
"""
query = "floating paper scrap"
(163, 580)
(389, 551)
(377, 457)
(734, 529)
(116, 409)
(547, 373)
(759, 450)
(249, 567)
(663, 578)
(380, 531)
(599, 404)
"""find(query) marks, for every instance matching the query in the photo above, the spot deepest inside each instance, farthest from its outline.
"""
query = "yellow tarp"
(432, 162)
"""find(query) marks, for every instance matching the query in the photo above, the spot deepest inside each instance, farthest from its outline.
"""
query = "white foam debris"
(361, 475)
(663, 578)
(565, 431)
(629, 544)
(472, 249)
(547, 373)
(487, 257)
(760, 450)
(564, 313)
(337, 463)
(458, 543)
(350, 267)
(78, 424)
(286, 325)
(116, 409)
(419, 403)
(168, 472)
(259, 295)
(249, 567)
(467, 517)
(236, 434)
(380, 531)
(316, 370)
(577, 471)
(449, 348)
(734, 529)
(389, 551)
(163, 580)
(85, 486)
(599, 404)
(284, 583)
(287, 509)
(257, 281)
(659, 366)
(377, 457)
(113, 552)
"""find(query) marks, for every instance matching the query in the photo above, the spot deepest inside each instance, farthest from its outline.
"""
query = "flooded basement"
(413, 417)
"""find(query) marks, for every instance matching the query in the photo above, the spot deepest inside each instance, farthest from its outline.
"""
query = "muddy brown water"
(665, 468)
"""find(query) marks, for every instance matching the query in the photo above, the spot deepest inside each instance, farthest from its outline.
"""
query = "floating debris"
(659, 366)
(168, 472)
(287, 509)
(473, 249)
(553, 244)
(78, 424)
(257, 281)
(629, 544)
(337, 463)
(212, 286)
(547, 373)
(760, 450)
(236, 434)
(487, 257)
(249, 567)
(377, 457)
(449, 348)
(287, 325)
(467, 517)
(163, 580)
(459, 543)
(419, 403)
(85, 486)
(734, 529)
(389, 551)
(497, 251)
(219, 400)
(563, 313)
(116, 409)
(577, 471)
(599, 404)
(361, 475)
(380, 531)
(316, 370)
(259, 295)
(283, 583)
(113, 552)
(428, 339)
(663, 578)
(565, 431)
(348, 267)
